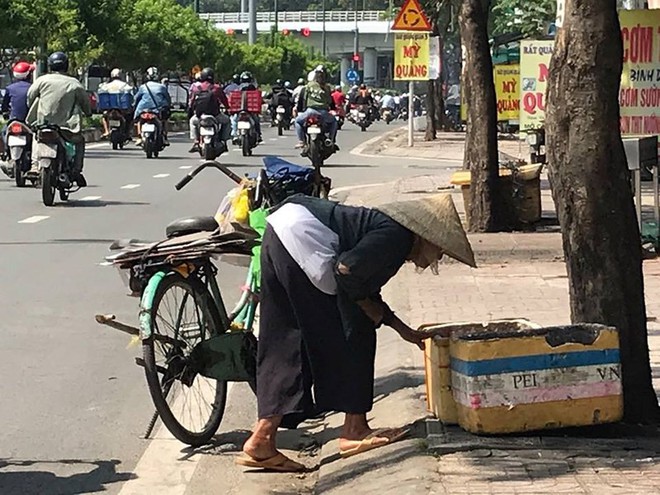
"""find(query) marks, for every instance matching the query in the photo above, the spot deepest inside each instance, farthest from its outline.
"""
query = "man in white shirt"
(115, 86)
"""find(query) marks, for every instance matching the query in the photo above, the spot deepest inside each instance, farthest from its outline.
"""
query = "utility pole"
(356, 38)
(244, 6)
(275, 29)
(252, 26)
(323, 41)
(196, 6)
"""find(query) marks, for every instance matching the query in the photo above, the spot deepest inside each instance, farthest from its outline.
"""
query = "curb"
(359, 150)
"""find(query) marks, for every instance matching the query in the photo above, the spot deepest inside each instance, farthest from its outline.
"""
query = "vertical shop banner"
(411, 56)
(534, 64)
(639, 97)
(435, 58)
(507, 89)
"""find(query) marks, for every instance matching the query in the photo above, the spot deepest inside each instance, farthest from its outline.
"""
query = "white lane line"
(273, 139)
(90, 198)
(161, 468)
(185, 167)
(161, 176)
(34, 219)
(96, 146)
(283, 137)
(130, 186)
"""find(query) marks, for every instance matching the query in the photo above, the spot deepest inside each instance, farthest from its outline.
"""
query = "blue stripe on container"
(537, 362)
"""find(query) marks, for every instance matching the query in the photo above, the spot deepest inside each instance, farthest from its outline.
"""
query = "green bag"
(230, 357)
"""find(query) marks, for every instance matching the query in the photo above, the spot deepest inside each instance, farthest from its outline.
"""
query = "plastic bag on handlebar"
(234, 208)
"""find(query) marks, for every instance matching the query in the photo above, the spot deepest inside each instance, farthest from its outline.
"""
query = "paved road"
(73, 404)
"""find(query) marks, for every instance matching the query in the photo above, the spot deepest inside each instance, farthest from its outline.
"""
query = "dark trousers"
(302, 345)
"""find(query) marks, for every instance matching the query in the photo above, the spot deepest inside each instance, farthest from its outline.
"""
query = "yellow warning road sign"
(411, 17)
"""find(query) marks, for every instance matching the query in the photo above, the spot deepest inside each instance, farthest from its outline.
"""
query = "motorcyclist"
(247, 84)
(14, 102)
(117, 86)
(280, 96)
(364, 98)
(387, 103)
(297, 90)
(315, 99)
(152, 96)
(234, 85)
(208, 98)
(58, 99)
(339, 99)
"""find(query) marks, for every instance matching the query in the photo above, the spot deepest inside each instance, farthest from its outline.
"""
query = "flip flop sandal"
(371, 441)
(279, 462)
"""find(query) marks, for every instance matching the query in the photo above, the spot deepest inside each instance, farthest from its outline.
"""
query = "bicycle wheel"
(190, 405)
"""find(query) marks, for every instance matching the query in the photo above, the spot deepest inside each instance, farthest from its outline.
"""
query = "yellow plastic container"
(507, 380)
(437, 358)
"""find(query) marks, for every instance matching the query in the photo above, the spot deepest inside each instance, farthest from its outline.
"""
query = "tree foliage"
(136, 34)
(529, 17)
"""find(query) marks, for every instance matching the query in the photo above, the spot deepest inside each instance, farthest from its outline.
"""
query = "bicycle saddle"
(192, 225)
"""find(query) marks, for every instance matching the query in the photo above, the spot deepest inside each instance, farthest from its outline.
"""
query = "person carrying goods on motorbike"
(14, 103)
(315, 99)
(234, 85)
(208, 98)
(247, 84)
(153, 97)
(58, 99)
(117, 86)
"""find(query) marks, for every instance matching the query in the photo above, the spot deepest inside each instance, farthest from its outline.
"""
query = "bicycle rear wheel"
(190, 405)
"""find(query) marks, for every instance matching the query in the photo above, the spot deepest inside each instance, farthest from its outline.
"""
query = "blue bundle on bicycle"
(286, 179)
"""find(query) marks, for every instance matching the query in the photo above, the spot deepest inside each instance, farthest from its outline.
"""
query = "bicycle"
(191, 345)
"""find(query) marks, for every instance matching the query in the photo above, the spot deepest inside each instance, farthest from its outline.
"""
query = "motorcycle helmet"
(115, 73)
(206, 75)
(246, 77)
(287, 84)
(152, 74)
(22, 70)
(363, 86)
(58, 62)
(278, 82)
(301, 82)
(236, 78)
(337, 88)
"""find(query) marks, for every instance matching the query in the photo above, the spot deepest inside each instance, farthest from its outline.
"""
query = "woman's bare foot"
(355, 430)
(261, 444)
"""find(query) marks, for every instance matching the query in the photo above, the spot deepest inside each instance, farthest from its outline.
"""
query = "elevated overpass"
(375, 41)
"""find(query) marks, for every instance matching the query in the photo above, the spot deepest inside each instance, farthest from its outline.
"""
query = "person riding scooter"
(208, 98)
(14, 102)
(117, 86)
(58, 99)
(281, 97)
(247, 84)
(152, 96)
(315, 99)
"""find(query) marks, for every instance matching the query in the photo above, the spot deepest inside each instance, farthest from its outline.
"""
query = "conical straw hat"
(435, 219)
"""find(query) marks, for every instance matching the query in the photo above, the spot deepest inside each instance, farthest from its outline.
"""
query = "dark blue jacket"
(16, 100)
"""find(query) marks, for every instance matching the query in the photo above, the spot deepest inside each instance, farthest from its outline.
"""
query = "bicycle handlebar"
(211, 163)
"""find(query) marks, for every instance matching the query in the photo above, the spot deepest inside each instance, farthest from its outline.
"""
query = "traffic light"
(356, 57)
(305, 32)
(230, 32)
(286, 32)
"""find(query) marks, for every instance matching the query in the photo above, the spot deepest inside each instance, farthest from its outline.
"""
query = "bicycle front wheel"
(190, 405)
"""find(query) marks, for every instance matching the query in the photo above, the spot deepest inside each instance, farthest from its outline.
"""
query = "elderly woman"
(323, 266)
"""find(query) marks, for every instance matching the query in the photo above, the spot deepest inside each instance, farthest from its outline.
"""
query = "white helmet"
(115, 73)
(152, 73)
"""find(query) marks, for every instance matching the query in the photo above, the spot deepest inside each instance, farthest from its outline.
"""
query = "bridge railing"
(301, 16)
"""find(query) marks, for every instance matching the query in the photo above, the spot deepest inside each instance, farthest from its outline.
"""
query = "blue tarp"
(277, 167)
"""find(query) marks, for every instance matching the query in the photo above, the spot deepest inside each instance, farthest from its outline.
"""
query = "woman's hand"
(412, 336)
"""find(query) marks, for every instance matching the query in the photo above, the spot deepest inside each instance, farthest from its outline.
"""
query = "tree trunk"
(435, 109)
(486, 213)
(591, 189)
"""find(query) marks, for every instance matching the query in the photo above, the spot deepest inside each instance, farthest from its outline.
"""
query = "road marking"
(90, 198)
(96, 146)
(34, 219)
(185, 167)
(161, 176)
(130, 186)
(283, 137)
(273, 139)
(161, 469)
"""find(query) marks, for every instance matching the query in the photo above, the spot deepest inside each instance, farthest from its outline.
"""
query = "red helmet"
(22, 70)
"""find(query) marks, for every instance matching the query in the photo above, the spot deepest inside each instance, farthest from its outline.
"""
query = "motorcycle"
(388, 115)
(152, 134)
(19, 142)
(211, 144)
(360, 117)
(281, 120)
(55, 157)
(318, 148)
(117, 125)
(339, 117)
(247, 133)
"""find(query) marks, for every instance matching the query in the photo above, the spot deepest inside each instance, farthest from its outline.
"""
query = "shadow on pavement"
(23, 477)
(98, 203)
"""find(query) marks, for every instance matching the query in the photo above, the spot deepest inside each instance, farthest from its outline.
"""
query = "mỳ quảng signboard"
(507, 89)
(411, 56)
(534, 64)
(639, 96)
